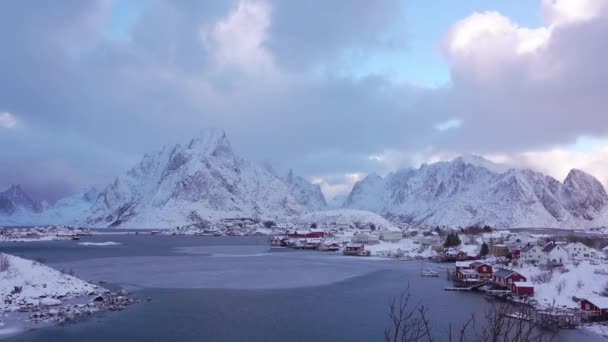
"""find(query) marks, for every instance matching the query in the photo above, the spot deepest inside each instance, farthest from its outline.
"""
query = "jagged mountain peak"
(208, 140)
(472, 190)
(15, 199)
(584, 196)
(306, 193)
(480, 161)
(201, 181)
(15, 190)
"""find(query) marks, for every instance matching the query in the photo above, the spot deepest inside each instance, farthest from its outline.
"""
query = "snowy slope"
(191, 184)
(344, 218)
(475, 191)
(38, 284)
(306, 193)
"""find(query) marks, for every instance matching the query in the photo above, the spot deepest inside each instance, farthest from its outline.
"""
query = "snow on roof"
(470, 249)
(463, 263)
(479, 263)
(600, 302)
(523, 284)
(549, 247)
(527, 248)
(503, 273)
(572, 245)
(468, 272)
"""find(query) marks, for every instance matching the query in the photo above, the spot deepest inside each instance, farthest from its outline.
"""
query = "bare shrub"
(410, 322)
(5, 263)
(560, 286)
(579, 284)
(542, 278)
(604, 291)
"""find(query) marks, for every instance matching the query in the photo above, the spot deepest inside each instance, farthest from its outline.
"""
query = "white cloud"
(336, 186)
(567, 11)
(239, 38)
(447, 125)
(7, 120)
(557, 162)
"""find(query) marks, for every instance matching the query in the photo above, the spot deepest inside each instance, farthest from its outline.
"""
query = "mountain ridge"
(460, 193)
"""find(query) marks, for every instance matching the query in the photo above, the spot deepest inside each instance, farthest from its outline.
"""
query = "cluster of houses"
(43, 233)
(471, 272)
(322, 240)
(556, 254)
(526, 248)
(478, 273)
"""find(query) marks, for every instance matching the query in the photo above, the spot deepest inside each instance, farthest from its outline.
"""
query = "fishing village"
(553, 280)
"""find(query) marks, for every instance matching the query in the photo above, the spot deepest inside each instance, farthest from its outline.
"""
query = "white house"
(532, 253)
(391, 235)
(579, 251)
(555, 254)
(365, 238)
(551, 253)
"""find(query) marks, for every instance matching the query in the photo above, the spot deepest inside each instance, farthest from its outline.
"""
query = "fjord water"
(236, 289)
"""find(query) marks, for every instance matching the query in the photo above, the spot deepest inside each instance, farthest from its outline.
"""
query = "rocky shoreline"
(79, 308)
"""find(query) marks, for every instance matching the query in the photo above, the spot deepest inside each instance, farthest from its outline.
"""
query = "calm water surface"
(235, 289)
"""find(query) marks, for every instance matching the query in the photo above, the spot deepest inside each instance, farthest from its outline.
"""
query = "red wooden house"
(505, 278)
(484, 270)
(516, 253)
(451, 255)
(309, 234)
(597, 306)
(354, 249)
(467, 275)
(523, 288)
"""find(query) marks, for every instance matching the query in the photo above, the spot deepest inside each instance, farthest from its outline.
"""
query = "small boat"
(429, 273)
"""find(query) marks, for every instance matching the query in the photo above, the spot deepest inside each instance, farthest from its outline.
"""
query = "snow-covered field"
(559, 286)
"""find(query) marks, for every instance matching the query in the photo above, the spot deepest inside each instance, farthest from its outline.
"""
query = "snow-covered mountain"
(306, 193)
(14, 200)
(475, 191)
(30, 213)
(201, 181)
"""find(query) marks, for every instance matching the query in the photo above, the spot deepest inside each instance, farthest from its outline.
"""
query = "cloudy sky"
(333, 89)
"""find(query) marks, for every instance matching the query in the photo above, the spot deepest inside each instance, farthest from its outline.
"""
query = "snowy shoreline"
(34, 296)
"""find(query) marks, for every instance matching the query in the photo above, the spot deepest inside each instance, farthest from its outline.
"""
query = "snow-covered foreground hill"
(26, 282)
(474, 191)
